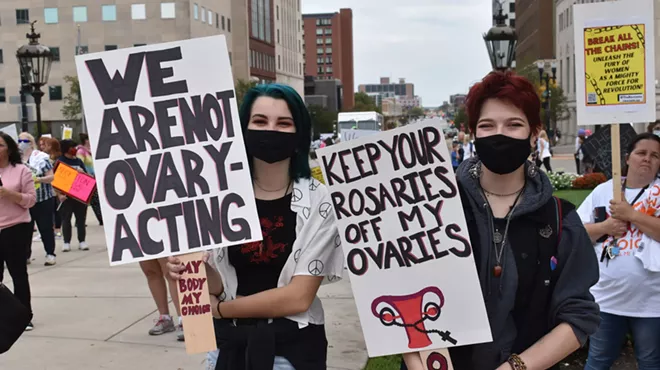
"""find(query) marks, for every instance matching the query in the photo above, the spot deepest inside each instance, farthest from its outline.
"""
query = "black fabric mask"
(502, 154)
(270, 146)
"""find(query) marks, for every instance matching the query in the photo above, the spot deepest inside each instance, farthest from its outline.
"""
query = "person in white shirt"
(626, 238)
(543, 147)
(264, 294)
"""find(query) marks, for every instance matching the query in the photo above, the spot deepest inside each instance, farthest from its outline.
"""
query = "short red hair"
(509, 87)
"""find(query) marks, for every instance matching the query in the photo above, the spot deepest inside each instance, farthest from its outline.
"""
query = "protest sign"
(406, 241)
(195, 305)
(317, 173)
(11, 131)
(168, 149)
(615, 62)
(67, 133)
(77, 185)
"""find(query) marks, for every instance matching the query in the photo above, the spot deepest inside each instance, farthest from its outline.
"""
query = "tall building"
(288, 44)
(262, 40)
(103, 26)
(534, 25)
(328, 48)
(509, 10)
(401, 90)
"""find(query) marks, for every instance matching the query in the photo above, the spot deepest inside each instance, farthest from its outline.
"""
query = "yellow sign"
(614, 65)
(318, 174)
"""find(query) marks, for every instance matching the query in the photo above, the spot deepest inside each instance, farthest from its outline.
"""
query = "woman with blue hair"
(263, 294)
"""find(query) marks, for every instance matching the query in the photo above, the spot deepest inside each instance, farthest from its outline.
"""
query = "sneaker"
(50, 260)
(83, 246)
(164, 324)
(58, 235)
(29, 327)
(37, 238)
(179, 333)
(66, 247)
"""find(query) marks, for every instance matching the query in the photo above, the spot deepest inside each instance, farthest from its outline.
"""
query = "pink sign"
(82, 187)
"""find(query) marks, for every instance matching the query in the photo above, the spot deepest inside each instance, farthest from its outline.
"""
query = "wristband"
(218, 309)
(516, 362)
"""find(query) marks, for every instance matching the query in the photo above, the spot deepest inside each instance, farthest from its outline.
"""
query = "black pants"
(96, 207)
(577, 164)
(69, 208)
(58, 218)
(42, 215)
(13, 247)
(546, 164)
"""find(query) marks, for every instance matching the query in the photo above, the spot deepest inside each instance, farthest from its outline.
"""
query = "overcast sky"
(435, 44)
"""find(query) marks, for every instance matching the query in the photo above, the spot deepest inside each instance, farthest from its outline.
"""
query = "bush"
(561, 181)
(589, 181)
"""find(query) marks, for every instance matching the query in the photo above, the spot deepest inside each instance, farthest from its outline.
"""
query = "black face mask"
(502, 154)
(270, 146)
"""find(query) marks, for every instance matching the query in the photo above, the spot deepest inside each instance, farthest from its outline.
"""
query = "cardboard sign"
(195, 305)
(67, 133)
(76, 185)
(168, 149)
(406, 241)
(614, 52)
(10, 130)
(352, 134)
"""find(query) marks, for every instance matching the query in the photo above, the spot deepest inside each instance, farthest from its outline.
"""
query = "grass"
(394, 362)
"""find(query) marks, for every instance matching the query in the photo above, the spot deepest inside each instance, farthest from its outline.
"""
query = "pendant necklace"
(499, 240)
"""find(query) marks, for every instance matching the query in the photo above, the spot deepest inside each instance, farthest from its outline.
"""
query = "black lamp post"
(35, 61)
(501, 43)
(545, 78)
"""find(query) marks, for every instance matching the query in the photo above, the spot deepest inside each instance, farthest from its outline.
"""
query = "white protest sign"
(351, 134)
(615, 62)
(11, 131)
(67, 133)
(170, 161)
(406, 241)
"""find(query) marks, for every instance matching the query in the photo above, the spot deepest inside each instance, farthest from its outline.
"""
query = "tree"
(72, 107)
(461, 117)
(322, 120)
(364, 103)
(242, 88)
(416, 113)
(558, 103)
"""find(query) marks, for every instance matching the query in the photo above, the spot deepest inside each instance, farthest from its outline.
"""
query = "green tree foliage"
(558, 103)
(242, 88)
(416, 113)
(364, 103)
(72, 108)
(460, 117)
(322, 120)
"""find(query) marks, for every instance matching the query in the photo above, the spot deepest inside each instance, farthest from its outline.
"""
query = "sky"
(435, 44)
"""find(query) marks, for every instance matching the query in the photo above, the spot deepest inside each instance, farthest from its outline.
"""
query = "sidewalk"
(88, 315)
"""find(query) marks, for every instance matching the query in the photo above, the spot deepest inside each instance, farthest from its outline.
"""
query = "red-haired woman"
(532, 253)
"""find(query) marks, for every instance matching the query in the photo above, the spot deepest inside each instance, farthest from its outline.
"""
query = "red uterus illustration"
(407, 311)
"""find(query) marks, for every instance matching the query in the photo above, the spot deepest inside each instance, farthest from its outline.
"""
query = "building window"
(82, 49)
(512, 7)
(231, 62)
(319, 60)
(328, 50)
(278, 36)
(319, 70)
(22, 16)
(299, 46)
(255, 18)
(50, 16)
(56, 53)
(110, 47)
(196, 11)
(279, 62)
(318, 22)
(3, 95)
(277, 12)
(203, 15)
(210, 18)
(267, 19)
(80, 14)
(328, 69)
(55, 92)
(228, 25)
(300, 68)
(222, 19)
(512, 23)
(319, 31)
(136, 45)
(328, 40)
(168, 10)
(138, 11)
(319, 51)
(109, 13)
(328, 60)
(217, 20)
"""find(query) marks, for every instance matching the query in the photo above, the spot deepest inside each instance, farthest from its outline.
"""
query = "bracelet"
(218, 309)
(516, 362)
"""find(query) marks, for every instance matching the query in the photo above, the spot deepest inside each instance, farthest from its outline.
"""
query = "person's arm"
(648, 224)
(47, 178)
(27, 196)
(572, 307)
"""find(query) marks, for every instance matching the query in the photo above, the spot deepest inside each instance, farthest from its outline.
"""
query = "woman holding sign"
(264, 293)
(626, 237)
(17, 196)
(533, 255)
(71, 207)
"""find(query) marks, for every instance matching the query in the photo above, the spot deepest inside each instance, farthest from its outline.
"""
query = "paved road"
(91, 316)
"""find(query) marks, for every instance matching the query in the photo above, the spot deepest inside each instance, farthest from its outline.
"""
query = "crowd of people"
(552, 276)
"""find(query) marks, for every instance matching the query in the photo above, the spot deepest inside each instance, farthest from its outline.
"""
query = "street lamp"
(35, 61)
(501, 43)
(545, 78)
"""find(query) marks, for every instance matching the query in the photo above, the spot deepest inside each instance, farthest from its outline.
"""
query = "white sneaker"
(83, 246)
(37, 238)
(66, 247)
(50, 260)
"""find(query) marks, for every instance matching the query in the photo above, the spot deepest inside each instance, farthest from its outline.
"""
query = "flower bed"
(589, 181)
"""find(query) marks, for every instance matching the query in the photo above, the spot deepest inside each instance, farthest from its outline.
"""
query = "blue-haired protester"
(263, 294)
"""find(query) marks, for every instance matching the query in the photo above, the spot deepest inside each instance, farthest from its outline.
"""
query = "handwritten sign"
(76, 185)
(67, 133)
(406, 241)
(196, 305)
(11, 131)
(614, 43)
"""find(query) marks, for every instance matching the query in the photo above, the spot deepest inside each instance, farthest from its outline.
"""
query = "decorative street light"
(545, 77)
(35, 61)
(501, 43)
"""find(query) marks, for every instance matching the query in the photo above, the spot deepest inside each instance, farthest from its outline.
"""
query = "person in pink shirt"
(17, 196)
